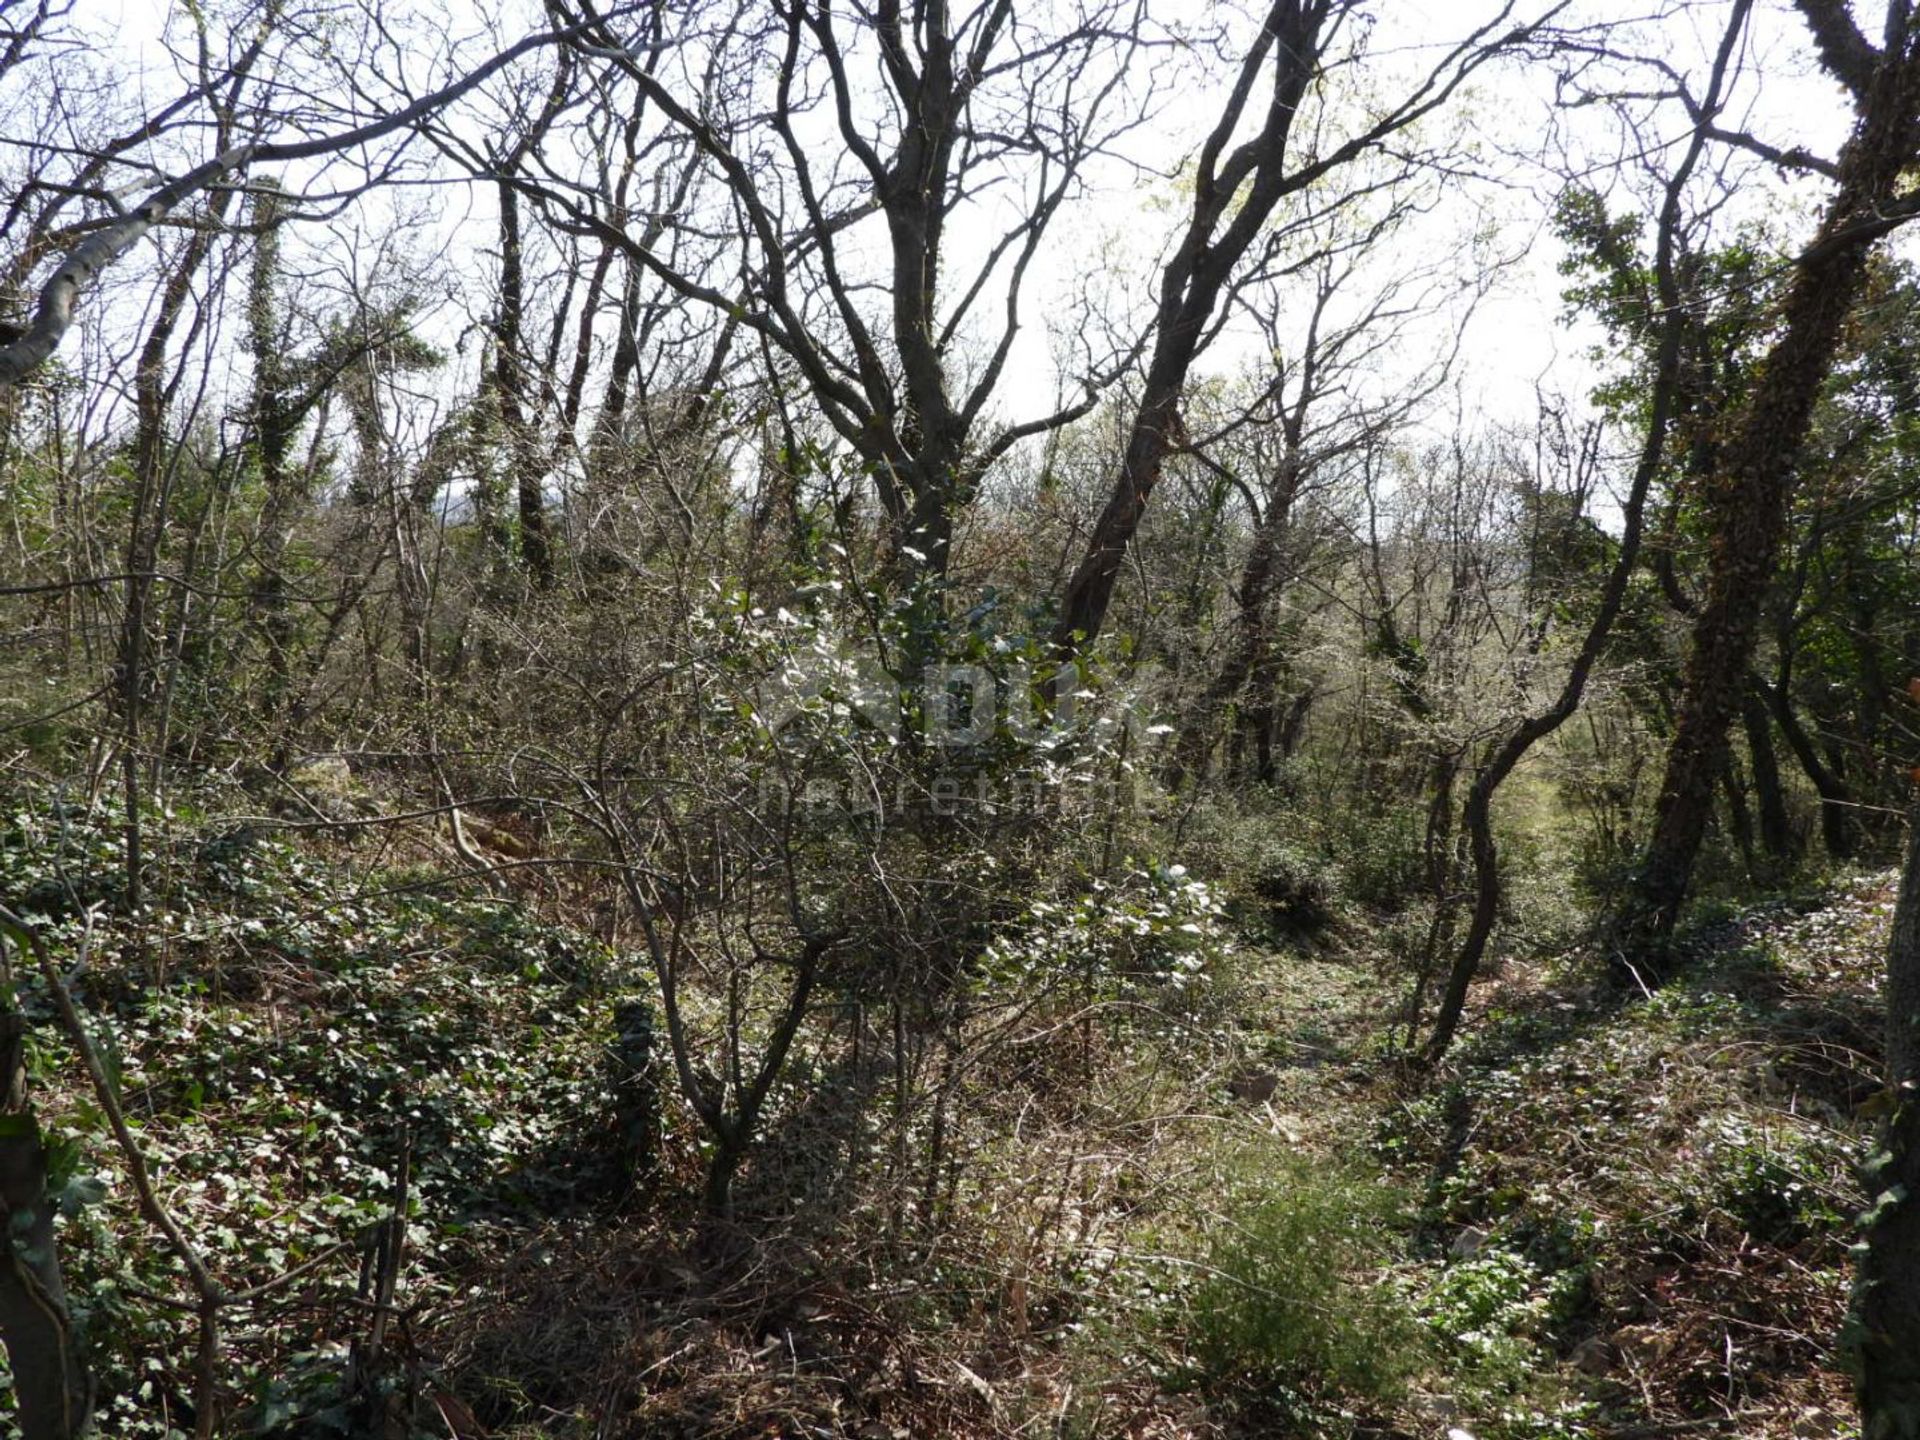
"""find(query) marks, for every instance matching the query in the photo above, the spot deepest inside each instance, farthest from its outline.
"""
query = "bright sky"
(1517, 337)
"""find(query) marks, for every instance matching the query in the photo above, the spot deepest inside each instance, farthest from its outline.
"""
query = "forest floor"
(1619, 1218)
(1612, 1218)
(1643, 1205)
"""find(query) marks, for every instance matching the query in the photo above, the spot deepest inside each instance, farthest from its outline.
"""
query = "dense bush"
(1293, 1290)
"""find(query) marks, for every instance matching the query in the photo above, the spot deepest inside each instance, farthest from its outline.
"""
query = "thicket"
(655, 864)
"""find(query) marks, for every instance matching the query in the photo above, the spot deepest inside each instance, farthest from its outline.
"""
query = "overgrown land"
(1189, 1187)
(781, 721)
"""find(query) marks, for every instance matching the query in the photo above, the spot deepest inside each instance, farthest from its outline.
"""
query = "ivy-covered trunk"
(52, 1385)
(1749, 494)
(1884, 1329)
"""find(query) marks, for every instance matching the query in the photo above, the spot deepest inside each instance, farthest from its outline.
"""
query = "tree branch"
(92, 257)
(1846, 54)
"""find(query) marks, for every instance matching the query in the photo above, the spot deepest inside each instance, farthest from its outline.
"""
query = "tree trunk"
(1777, 839)
(1477, 817)
(1748, 499)
(512, 387)
(1220, 229)
(52, 1385)
(1884, 1328)
(1250, 660)
(1739, 813)
(1836, 801)
(275, 423)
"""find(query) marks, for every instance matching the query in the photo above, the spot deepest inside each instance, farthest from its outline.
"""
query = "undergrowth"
(1149, 1218)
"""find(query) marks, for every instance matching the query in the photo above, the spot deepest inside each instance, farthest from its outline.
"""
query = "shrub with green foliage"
(1292, 1293)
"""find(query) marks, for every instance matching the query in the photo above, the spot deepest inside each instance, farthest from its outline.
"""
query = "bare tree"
(114, 238)
(1226, 239)
(902, 120)
(1312, 414)
(1665, 399)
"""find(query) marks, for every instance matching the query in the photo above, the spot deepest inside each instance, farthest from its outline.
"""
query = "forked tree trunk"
(1836, 801)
